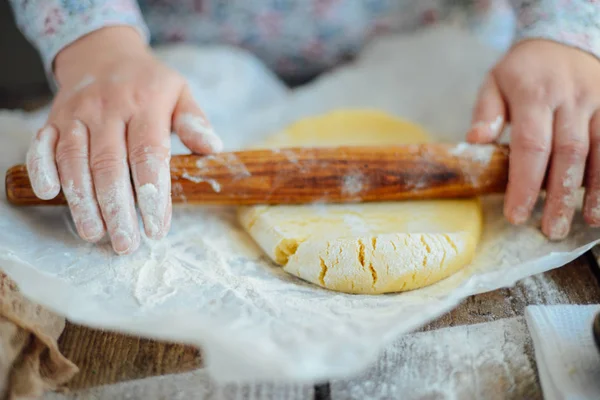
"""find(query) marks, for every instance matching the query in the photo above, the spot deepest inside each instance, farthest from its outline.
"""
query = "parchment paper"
(208, 284)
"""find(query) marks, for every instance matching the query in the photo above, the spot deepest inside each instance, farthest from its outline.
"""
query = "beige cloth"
(30, 362)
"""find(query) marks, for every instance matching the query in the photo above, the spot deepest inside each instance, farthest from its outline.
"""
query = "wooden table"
(108, 358)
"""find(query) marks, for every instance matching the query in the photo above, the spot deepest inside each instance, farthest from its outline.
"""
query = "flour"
(593, 206)
(493, 127)
(352, 185)
(479, 153)
(41, 165)
(541, 289)
(117, 204)
(560, 227)
(85, 210)
(571, 177)
(290, 155)
(233, 164)
(214, 184)
(153, 196)
(461, 362)
(177, 191)
(197, 124)
(236, 166)
(521, 212)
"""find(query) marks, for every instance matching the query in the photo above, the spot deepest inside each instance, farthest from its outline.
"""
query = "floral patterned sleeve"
(51, 25)
(572, 22)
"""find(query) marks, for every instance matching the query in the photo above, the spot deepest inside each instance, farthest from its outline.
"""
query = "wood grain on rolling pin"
(305, 175)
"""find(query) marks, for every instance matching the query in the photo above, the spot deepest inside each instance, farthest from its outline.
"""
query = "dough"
(365, 248)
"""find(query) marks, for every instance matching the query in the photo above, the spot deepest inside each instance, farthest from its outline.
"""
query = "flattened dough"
(366, 248)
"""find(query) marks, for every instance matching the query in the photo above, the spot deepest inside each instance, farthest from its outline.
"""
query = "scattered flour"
(153, 195)
(461, 362)
(480, 153)
(117, 203)
(85, 211)
(571, 177)
(216, 186)
(540, 289)
(352, 185)
(494, 126)
(233, 164)
(560, 227)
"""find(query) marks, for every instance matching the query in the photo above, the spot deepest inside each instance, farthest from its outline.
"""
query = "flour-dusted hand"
(550, 94)
(110, 122)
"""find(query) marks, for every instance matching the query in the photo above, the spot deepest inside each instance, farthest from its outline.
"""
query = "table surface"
(105, 357)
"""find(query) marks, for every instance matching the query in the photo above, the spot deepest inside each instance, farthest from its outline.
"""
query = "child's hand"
(550, 94)
(110, 122)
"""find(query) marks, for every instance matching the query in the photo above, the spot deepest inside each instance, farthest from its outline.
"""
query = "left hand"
(550, 94)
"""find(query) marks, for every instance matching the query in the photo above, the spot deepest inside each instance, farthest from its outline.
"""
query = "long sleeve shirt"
(303, 37)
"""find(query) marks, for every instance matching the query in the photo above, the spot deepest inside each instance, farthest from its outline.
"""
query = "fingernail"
(559, 228)
(593, 214)
(520, 215)
(212, 141)
(153, 227)
(122, 243)
(153, 200)
(199, 125)
(92, 230)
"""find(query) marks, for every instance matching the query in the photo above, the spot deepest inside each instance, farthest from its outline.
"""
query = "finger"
(72, 157)
(149, 144)
(41, 165)
(591, 208)
(192, 127)
(489, 115)
(567, 166)
(110, 175)
(530, 146)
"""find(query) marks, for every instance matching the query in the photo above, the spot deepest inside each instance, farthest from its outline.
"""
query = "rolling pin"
(328, 175)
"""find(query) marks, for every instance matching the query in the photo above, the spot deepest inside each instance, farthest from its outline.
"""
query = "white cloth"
(567, 359)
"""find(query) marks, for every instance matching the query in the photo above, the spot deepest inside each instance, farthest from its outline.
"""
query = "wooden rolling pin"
(329, 175)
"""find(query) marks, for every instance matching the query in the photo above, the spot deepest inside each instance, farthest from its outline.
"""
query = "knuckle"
(538, 93)
(142, 154)
(583, 99)
(106, 162)
(69, 151)
(573, 149)
(535, 90)
(141, 96)
(530, 143)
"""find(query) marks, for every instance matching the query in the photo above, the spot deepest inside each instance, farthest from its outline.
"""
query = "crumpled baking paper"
(208, 284)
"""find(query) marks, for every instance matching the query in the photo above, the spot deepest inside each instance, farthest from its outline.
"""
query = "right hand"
(111, 120)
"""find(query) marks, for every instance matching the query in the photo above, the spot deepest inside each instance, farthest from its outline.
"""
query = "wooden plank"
(106, 357)
(575, 283)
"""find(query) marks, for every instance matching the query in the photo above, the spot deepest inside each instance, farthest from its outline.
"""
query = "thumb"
(489, 114)
(192, 126)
